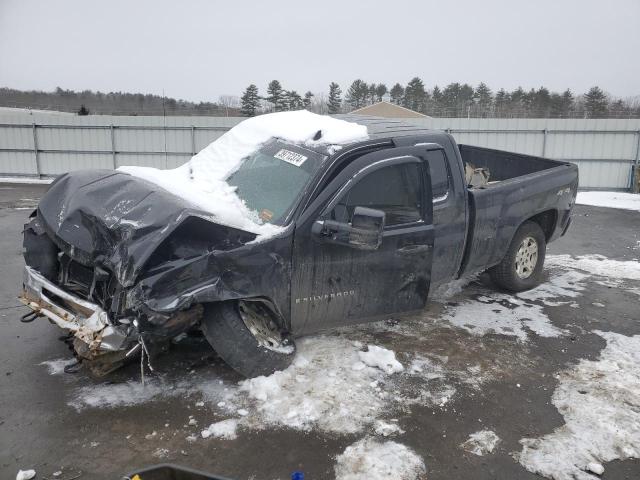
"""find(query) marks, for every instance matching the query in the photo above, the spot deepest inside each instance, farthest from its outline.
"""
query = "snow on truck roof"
(202, 180)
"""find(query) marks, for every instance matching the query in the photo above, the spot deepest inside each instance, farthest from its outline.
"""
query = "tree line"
(453, 100)
(112, 103)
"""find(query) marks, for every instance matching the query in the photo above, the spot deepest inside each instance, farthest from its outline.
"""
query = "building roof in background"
(388, 110)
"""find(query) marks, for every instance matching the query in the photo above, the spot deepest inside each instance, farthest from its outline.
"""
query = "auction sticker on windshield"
(290, 157)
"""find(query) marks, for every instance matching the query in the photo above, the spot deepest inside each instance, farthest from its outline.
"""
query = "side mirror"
(364, 232)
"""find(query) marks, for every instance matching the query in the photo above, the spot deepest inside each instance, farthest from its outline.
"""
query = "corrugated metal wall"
(50, 143)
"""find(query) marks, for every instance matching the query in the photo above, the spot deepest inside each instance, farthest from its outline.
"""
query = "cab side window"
(439, 174)
(396, 190)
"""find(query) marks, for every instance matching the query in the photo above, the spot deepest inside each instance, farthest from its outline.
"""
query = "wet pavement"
(42, 425)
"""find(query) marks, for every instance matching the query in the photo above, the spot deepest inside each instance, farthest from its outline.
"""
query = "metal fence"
(46, 144)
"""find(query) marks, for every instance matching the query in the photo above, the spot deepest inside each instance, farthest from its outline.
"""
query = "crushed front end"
(88, 249)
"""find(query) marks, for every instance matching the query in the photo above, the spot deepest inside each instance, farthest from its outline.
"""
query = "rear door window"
(439, 174)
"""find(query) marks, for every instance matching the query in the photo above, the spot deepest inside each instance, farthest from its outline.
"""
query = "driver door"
(339, 280)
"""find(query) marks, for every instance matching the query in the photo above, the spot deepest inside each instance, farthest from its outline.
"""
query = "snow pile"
(599, 400)
(201, 181)
(625, 201)
(370, 459)
(598, 265)
(319, 390)
(225, 429)
(482, 442)
(381, 358)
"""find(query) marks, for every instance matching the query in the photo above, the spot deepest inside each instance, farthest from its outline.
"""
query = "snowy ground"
(481, 385)
(626, 201)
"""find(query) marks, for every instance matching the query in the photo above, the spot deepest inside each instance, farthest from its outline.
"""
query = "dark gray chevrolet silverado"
(368, 231)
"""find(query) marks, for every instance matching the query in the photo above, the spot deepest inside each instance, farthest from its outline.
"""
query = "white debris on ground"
(501, 314)
(201, 180)
(381, 358)
(386, 429)
(160, 453)
(56, 367)
(371, 459)
(625, 201)
(226, 429)
(123, 394)
(599, 402)
(25, 474)
(481, 443)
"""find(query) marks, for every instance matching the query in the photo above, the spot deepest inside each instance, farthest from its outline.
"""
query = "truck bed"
(521, 187)
(504, 165)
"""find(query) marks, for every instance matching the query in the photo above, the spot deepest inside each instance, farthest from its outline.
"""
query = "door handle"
(411, 249)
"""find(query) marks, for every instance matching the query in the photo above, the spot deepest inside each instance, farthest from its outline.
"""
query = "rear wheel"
(521, 267)
(246, 337)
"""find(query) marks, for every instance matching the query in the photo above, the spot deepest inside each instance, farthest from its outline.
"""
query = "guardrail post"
(193, 140)
(544, 142)
(35, 149)
(113, 147)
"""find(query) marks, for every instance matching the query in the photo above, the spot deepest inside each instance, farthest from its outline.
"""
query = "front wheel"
(521, 267)
(245, 336)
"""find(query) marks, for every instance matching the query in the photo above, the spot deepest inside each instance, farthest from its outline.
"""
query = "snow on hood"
(201, 180)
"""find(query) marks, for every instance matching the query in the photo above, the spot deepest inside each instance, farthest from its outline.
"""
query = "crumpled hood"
(112, 219)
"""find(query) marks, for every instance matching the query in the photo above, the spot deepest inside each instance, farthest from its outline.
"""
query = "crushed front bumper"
(88, 322)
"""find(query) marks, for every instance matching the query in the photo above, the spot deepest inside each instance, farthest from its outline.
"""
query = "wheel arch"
(547, 220)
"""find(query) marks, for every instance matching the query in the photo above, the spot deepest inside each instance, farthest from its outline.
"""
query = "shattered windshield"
(271, 180)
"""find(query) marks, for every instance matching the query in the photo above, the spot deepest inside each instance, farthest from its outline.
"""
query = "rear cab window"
(440, 176)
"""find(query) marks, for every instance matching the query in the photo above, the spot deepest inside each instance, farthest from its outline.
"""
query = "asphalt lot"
(84, 427)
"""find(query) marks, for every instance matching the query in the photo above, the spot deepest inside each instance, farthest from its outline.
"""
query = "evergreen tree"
(276, 95)
(436, 100)
(502, 102)
(381, 91)
(357, 94)
(83, 110)
(308, 97)
(568, 103)
(250, 101)
(595, 103)
(450, 99)
(397, 94)
(371, 99)
(542, 103)
(465, 99)
(335, 101)
(415, 96)
(518, 102)
(292, 100)
(483, 98)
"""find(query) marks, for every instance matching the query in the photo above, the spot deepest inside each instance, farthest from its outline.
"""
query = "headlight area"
(103, 344)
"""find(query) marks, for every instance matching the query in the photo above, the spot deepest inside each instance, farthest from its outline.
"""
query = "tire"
(521, 268)
(226, 331)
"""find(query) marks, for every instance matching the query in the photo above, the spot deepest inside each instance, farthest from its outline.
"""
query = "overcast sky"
(198, 50)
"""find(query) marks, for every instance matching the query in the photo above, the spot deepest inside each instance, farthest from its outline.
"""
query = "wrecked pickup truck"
(348, 229)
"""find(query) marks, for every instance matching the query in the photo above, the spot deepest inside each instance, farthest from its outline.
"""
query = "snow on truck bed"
(201, 180)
